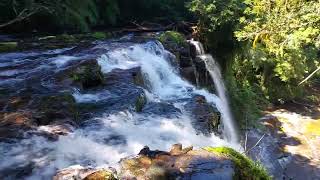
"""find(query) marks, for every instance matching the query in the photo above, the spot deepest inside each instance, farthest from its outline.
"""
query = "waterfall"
(112, 135)
(230, 131)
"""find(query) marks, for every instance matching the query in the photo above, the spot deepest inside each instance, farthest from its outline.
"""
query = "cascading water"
(107, 138)
(213, 67)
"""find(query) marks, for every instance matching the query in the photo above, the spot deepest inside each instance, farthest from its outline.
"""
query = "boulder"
(205, 117)
(85, 75)
(78, 172)
(179, 163)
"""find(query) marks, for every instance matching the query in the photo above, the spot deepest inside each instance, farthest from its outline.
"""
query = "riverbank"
(289, 145)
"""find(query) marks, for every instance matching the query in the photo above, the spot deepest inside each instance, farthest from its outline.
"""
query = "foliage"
(245, 168)
(82, 15)
(285, 39)
(217, 22)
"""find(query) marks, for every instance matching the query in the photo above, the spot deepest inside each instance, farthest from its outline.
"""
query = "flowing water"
(106, 138)
(214, 69)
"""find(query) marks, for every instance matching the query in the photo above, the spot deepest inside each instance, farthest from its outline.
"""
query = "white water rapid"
(214, 69)
(107, 138)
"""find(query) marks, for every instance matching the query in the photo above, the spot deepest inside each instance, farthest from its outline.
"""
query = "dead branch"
(310, 76)
(141, 28)
(246, 152)
(21, 16)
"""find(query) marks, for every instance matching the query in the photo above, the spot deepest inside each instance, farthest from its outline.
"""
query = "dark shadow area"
(307, 105)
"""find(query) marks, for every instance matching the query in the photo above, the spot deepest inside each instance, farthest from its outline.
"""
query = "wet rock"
(131, 76)
(206, 118)
(85, 75)
(179, 163)
(138, 77)
(192, 67)
(161, 109)
(78, 172)
(189, 74)
(203, 77)
(53, 131)
(101, 175)
(55, 107)
(13, 125)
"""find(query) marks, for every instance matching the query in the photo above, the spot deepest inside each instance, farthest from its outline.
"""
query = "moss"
(246, 169)
(101, 175)
(173, 36)
(140, 103)
(8, 46)
(99, 35)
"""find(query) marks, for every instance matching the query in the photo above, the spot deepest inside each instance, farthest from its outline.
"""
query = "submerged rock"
(179, 163)
(206, 118)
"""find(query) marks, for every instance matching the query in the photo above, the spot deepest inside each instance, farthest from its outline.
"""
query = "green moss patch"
(99, 35)
(8, 46)
(140, 103)
(246, 169)
(172, 36)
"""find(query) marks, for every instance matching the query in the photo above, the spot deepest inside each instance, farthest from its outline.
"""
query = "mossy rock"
(173, 37)
(246, 169)
(8, 46)
(88, 76)
(140, 103)
(101, 175)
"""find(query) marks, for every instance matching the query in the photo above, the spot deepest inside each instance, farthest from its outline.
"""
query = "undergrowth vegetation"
(246, 169)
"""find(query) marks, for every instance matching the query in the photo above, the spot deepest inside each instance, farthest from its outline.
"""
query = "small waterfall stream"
(214, 69)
